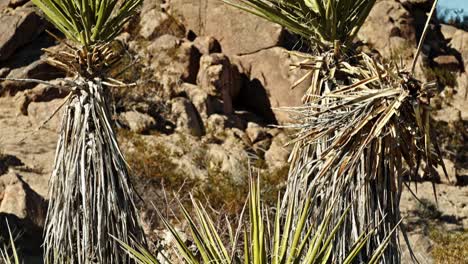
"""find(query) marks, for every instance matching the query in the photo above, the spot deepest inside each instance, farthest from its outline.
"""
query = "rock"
(164, 43)
(18, 28)
(448, 31)
(216, 124)
(172, 60)
(4, 72)
(18, 199)
(205, 104)
(187, 117)
(269, 84)
(137, 122)
(277, 155)
(219, 78)
(459, 42)
(39, 112)
(40, 93)
(37, 70)
(228, 160)
(388, 19)
(255, 132)
(155, 23)
(16, 3)
(4, 4)
(207, 45)
(234, 30)
(261, 147)
(449, 62)
(7, 161)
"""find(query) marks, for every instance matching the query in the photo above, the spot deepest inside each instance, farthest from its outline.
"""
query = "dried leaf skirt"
(91, 198)
(363, 127)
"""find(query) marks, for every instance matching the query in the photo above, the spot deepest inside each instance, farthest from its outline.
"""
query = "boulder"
(4, 4)
(173, 59)
(228, 159)
(268, 84)
(239, 32)
(256, 133)
(40, 112)
(18, 199)
(261, 147)
(219, 78)
(16, 3)
(4, 72)
(137, 122)
(155, 23)
(37, 70)
(18, 28)
(459, 42)
(187, 117)
(207, 45)
(7, 161)
(40, 93)
(388, 19)
(277, 155)
(217, 124)
(205, 104)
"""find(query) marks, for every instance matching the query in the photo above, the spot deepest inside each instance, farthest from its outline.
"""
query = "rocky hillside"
(206, 84)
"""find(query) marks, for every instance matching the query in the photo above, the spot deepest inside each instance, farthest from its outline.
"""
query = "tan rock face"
(18, 199)
(218, 77)
(278, 154)
(137, 122)
(172, 59)
(18, 28)
(269, 84)
(388, 19)
(187, 118)
(458, 108)
(237, 31)
(37, 70)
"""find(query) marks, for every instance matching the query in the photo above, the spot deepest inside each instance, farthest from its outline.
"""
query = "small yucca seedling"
(91, 197)
(265, 241)
(364, 125)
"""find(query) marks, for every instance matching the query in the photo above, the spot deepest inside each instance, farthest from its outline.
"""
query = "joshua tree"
(363, 126)
(91, 198)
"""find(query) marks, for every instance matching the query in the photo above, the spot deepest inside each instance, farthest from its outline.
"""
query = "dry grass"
(225, 193)
(450, 247)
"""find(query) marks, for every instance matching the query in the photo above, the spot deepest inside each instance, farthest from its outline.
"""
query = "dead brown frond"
(363, 127)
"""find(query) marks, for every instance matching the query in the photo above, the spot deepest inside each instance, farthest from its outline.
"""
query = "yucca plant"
(91, 198)
(266, 240)
(364, 125)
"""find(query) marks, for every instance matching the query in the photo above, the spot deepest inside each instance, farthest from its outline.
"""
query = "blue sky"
(449, 11)
(454, 3)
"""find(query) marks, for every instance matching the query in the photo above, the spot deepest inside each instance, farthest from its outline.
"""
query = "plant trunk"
(91, 197)
(371, 189)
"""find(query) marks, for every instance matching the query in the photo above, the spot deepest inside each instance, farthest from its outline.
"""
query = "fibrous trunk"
(364, 125)
(91, 198)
